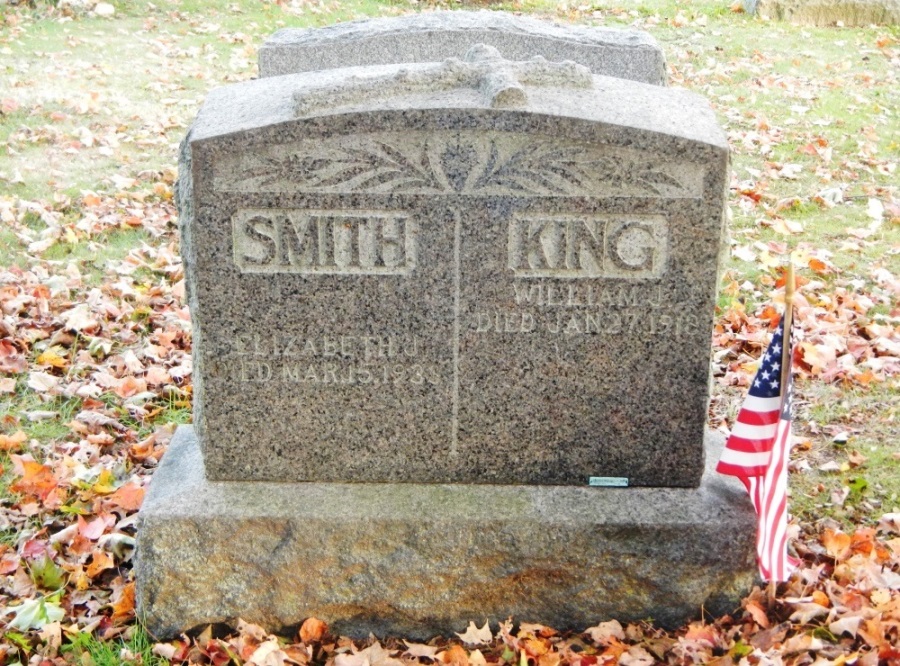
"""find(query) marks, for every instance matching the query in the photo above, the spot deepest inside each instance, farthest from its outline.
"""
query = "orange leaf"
(771, 315)
(37, 480)
(312, 630)
(13, 442)
(837, 544)
(818, 266)
(100, 562)
(535, 647)
(455, 656)
(123, 609)
(90, 200)
(129, 497)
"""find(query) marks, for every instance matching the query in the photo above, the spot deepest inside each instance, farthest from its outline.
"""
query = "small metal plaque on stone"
(608, 481)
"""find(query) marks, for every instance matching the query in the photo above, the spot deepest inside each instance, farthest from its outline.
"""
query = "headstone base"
(418, 560)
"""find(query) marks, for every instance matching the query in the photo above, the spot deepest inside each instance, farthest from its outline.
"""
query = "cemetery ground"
(95, 338)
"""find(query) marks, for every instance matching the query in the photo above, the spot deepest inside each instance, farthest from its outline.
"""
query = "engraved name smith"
(314, 241)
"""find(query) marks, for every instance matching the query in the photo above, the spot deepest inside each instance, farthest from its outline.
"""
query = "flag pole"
(785, 358)
(788, 316)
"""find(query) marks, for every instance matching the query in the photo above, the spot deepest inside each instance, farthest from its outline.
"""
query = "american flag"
(757, 453)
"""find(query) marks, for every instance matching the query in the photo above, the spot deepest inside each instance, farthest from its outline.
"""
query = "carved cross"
(501, 82)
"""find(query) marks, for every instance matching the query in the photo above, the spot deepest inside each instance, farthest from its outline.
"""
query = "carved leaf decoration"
(535, 168)
(653, 179)
(457, 161)
(532, 168)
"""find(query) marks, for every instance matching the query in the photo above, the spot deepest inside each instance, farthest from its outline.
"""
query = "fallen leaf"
(11, 359)
(475, 636)
(42, 382)
(311, 631)
(91, 530)
(35, 614)
(603, 632)
(123, 607)
(37, 480)
(757, 613)
(130, 496)
(805, 612)
(13, 442)
(419, 650)
(636, 656)
(846, 625)
(455, 655)
(889, 523)
(837, 544)
(100, 562)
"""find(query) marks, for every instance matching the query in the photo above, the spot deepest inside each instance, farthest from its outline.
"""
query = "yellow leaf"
(105, 483)
(51, 358)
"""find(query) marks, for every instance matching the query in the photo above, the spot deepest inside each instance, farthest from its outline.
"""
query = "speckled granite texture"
(432, 36)
(416, 560)
(828, 12)
(477, 271)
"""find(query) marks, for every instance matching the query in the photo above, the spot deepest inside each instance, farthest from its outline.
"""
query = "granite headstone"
(431, 277)
(476, 271)
(435, 36)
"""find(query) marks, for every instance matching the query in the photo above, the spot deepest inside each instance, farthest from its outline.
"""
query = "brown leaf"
(130, 386)
(855, 458)
(603, 632)
(757, 613)
(11, 359)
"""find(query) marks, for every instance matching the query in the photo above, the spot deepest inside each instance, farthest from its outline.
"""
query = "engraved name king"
(576, 246)
(321, 241)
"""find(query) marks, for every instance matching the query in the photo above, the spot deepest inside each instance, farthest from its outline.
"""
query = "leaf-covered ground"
(95, 338)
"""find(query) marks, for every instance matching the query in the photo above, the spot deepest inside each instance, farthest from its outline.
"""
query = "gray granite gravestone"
(430, 278)
(435, 36)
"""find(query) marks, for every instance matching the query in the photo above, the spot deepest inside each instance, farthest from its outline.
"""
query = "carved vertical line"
(457, 265)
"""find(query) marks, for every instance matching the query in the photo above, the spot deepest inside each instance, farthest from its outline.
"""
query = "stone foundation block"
(418, 560)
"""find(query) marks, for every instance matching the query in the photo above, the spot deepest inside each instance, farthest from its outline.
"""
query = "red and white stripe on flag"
(757, 453)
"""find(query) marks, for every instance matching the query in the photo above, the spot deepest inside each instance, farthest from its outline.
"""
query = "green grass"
(136, 648)
(868, 417)
(93, 255)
